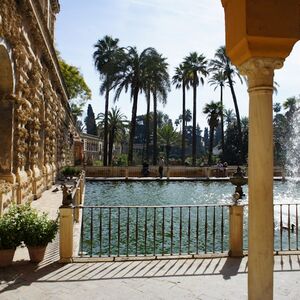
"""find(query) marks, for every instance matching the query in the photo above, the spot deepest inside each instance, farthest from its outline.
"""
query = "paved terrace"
(203, 278)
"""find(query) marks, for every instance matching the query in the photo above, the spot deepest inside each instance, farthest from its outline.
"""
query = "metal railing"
(286, 231)
(117, 231)
(286, 223)
(153, 230)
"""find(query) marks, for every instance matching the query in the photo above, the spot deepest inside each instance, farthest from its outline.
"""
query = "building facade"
(92, 148)
(37, 131)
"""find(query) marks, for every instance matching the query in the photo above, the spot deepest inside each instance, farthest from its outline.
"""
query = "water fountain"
(293, 149)
(238, 180)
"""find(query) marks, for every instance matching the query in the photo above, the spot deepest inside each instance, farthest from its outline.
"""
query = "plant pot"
(36, 253)
(6, 257)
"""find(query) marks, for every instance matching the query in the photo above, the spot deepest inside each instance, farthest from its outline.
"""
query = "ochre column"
(236, 230)
(260, 72)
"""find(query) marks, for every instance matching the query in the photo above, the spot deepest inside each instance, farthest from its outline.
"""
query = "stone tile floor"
(209, 278)
(202, 278)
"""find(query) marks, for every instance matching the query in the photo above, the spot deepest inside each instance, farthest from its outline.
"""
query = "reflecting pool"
(200, 226)
(178, 193)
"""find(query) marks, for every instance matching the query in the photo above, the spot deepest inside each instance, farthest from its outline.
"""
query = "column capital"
(260, 71)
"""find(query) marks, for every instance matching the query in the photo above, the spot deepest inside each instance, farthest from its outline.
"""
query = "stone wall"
(37, 129)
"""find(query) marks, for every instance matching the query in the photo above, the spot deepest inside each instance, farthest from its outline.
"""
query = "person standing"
(161, 166)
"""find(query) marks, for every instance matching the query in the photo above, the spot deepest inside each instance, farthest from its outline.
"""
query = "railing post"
(208, 171)
(236, 231)
(81, 188)
(66, 233)
(77, 203)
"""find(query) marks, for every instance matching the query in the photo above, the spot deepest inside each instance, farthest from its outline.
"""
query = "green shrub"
(70, 171)
(37, 229)
(24, 223)
(120, 160)
(11, 227)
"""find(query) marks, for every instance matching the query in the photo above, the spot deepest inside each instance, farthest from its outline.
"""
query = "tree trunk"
(111, 145)
(168, 150)
(105, 127)
(154, 128)
(194, 122)
(183, 125)
(238, 120)
(211, 143)
(132, 126)
(222, 122)
(148, 126)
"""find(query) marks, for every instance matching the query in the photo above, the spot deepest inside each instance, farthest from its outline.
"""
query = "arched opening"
(6, 113)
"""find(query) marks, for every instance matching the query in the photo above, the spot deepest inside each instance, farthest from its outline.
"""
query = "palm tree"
(180, 81)
(222, 63)
(218, 80)
(156, 83)
(147, 123)
(229, 116)
(107, 62)
(160, 87)
(168, 137)
(116, 126)
(290, 104)
(196, 68)
(213, 111)
(132, 78)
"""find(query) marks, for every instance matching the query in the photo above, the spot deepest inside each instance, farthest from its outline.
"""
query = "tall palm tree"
(290, 104)
(132, 78)
(213, 111)
(107, 62)
(116, 127)
(168, 137)
(160, 86)
(196, 68)
(222, 62)
(229, 116)
(180, 81)
(218, 80)
(147, 123)
(156, 83)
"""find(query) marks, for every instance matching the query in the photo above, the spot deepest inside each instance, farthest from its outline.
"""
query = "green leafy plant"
(121, 160)
(70, 171)
(10, 228)
(38, 229)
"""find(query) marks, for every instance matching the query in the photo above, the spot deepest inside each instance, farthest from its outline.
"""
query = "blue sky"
(174, 27)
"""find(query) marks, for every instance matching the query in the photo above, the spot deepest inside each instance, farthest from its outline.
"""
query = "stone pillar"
(236, 231)
(260, 72)
(66, 234)
(77, 203)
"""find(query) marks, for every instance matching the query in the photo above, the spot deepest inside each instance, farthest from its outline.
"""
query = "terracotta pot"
(36, 253)
(6, 257)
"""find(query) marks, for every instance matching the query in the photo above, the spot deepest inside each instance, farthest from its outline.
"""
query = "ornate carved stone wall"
(35, 120)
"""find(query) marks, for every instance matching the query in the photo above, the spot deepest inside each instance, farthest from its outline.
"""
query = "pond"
(177, 193)
(197, 222)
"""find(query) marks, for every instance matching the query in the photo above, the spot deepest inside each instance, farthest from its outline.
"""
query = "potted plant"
(38, 231)
(10, 237)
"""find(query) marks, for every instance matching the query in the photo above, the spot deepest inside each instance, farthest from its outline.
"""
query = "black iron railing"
(114, 231)
(286, 223)
(154, 230)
